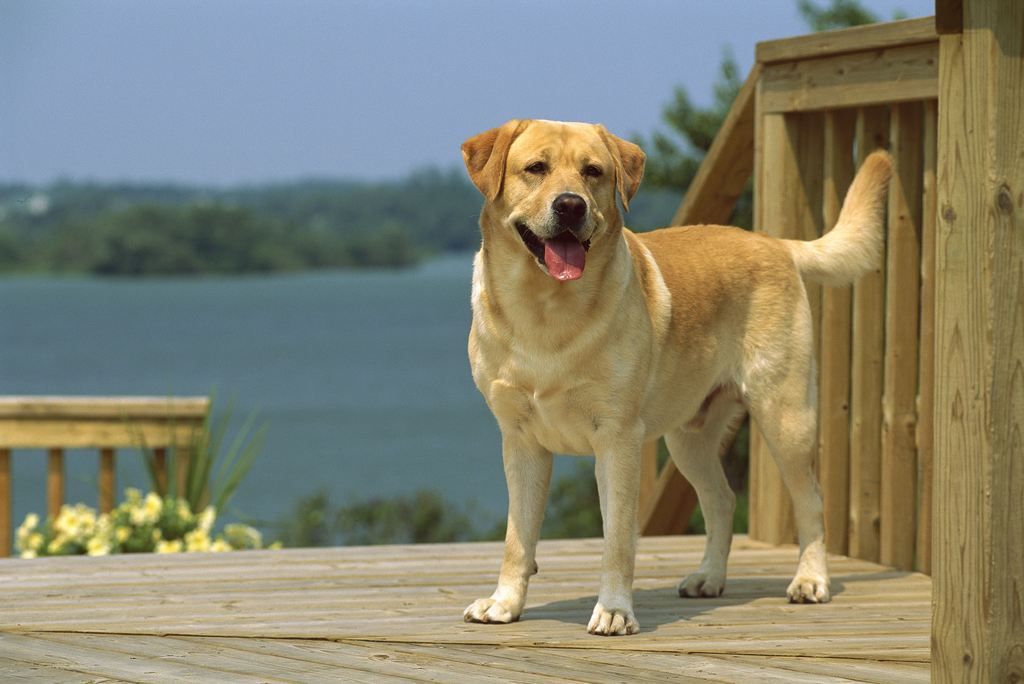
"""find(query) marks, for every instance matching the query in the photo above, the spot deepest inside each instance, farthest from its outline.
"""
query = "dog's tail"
(854, 246)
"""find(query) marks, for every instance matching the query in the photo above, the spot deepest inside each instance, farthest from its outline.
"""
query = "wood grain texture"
(978, 626)
(896, 74)
(836, 322)
(898, 507)
(925, 437)
(856, 39)
(670, 505)
(866, 374)
(54, 481)
(776, 186)
(393, 613)
(107, 480)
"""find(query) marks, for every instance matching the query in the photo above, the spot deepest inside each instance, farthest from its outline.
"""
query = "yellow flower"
(122, 533)
(197, 540)
(54, 547)
(276, 546)
(132, 495)
(173, 546)
(206, 518)
(98, 546)
(28, 553)
(157, 535)
(152, 506)
(26, 529)
(34, 541)
(182, 509)
(220, 545)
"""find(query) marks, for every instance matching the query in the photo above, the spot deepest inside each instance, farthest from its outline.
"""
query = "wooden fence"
(103, 423)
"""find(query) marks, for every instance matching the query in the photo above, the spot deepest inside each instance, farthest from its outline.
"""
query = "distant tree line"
(149, 229)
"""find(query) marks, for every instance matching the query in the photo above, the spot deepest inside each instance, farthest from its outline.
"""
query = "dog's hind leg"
(528, 474)
(695, 449)
(784, 406)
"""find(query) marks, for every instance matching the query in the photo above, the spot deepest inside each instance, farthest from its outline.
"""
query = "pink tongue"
(564, 256)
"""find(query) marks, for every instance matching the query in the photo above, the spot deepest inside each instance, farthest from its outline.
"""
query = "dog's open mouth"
(564, 255)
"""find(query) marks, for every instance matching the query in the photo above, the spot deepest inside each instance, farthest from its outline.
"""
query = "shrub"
(140, 524)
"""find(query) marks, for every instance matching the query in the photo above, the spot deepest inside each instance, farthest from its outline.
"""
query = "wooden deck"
(394, 613)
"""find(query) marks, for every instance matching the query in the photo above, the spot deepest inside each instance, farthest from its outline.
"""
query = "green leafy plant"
(140, 524)
(205, 452)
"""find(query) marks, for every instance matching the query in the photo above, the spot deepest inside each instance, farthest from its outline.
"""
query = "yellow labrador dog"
(590, 339)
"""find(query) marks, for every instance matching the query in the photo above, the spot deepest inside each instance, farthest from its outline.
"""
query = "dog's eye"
(592, 171)
(537, 168)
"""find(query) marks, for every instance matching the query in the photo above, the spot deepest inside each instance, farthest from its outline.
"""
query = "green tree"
(675, 153)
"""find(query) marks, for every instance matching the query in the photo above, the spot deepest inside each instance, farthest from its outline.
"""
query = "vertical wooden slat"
(790, 206)
(926, 373)
(977, 563)
(903, 282)
(5, 503)
(756, 450)
(107, 480)
(867, 349)
(771, 512)
(834, 401)
(160, 466)
(182, 456)
(55, 481)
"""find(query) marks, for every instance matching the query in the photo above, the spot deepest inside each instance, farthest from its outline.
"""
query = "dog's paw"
(489, 610)
(612, 621)
(702, 584)
(809, 588)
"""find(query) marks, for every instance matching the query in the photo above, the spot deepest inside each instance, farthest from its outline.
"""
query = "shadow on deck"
(393, 613)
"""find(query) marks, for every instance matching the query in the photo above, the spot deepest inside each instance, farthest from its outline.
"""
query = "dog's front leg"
(618, 485)
(528, 474)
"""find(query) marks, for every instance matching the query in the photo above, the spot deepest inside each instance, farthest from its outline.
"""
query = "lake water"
(362, 377)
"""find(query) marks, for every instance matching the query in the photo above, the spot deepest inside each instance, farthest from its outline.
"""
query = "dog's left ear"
(485, 156)
(629, 165)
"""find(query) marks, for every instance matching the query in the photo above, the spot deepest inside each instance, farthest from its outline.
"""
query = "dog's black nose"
(570, 208)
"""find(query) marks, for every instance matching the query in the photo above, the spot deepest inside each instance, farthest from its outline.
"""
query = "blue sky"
(226, 91)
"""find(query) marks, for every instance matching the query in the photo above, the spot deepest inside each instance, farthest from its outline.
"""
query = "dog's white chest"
(561, 416)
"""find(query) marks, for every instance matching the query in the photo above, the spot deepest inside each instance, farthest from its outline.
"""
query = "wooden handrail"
(103, 423)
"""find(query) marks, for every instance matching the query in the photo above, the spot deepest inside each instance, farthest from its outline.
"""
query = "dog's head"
(554, 186)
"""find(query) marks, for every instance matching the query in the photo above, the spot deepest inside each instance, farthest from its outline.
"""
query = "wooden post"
(866, 374)
(55, 482)
(5, 503)
(977, 563)
(160, 466)
(107, 480)
(926, 352)
(834, 401)
(182, 455)
(902, 298)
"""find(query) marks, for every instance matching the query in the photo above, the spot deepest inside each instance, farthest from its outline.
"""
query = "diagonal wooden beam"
(728, 165)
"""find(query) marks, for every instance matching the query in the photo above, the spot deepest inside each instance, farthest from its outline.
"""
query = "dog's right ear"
(485, 156)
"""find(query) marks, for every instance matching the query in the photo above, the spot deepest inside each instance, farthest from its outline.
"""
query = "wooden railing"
(103, 423)
(922, 362)
(811, 108)
(825, 101)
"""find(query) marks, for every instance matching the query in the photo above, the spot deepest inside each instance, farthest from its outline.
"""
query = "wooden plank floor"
(394, 613)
